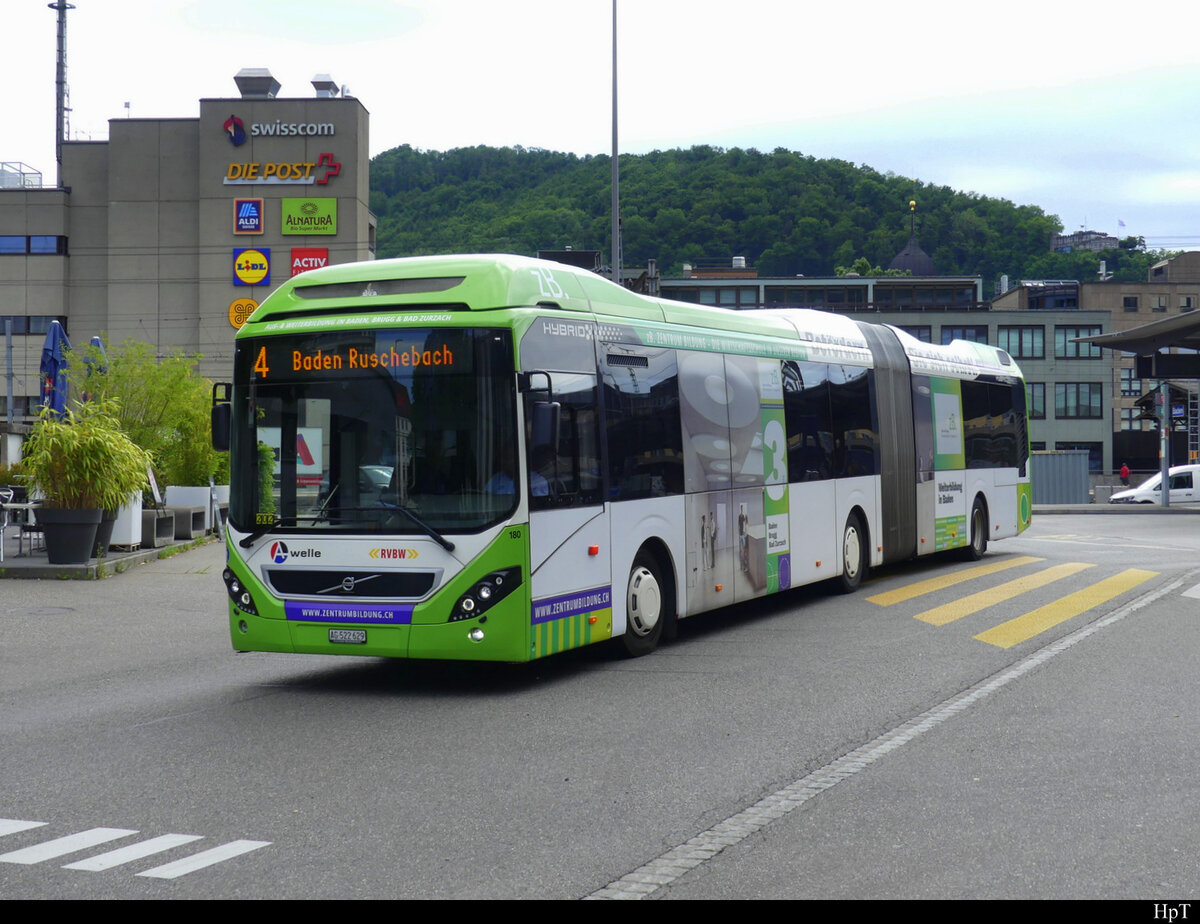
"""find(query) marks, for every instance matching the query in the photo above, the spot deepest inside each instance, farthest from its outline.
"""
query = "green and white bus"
(501, 458)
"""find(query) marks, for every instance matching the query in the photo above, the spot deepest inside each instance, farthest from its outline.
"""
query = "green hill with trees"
(787, 213)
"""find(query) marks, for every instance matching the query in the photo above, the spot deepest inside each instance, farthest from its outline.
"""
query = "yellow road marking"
(965, 606)
(948, 580)
(1046, 617)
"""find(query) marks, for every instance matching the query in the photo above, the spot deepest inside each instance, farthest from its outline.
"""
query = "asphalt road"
(1026, 732)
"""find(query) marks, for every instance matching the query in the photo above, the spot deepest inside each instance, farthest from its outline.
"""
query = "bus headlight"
(486, 593)
(238, 593)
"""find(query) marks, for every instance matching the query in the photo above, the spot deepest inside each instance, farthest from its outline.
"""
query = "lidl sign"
(252, 266)
(309, 216)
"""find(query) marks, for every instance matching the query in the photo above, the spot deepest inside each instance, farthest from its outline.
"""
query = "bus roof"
(481, 282)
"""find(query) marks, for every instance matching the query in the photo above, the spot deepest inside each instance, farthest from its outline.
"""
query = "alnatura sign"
(309, 216)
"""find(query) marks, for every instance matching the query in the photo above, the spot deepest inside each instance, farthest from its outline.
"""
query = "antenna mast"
(62, 93)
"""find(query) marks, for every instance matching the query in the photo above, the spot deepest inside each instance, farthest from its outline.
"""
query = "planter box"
(127, 531)
(182, 496)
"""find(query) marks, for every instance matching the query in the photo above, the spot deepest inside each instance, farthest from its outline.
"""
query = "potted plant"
(82, 464)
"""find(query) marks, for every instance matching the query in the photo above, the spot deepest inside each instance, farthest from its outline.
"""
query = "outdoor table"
(5, 507)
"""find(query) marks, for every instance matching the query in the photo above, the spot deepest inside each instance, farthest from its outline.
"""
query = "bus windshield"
(389, 431)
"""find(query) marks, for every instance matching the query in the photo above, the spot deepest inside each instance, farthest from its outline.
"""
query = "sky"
(1087, 112)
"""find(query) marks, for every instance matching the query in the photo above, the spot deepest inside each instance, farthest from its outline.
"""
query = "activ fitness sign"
(307, 258)
(297, 173)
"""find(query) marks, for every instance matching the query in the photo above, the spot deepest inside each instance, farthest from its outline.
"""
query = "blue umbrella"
(54, 369)
(97, 364)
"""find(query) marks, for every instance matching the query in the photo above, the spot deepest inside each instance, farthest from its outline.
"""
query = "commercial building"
(1171, 288)
(172, 230)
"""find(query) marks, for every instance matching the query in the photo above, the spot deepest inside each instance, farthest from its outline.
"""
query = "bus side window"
(563, 443)
(642, 423)
(809, 422)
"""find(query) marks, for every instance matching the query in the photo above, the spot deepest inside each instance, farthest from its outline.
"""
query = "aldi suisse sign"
(252, 266)
(247, 216)
(306, 258)
(308, 216)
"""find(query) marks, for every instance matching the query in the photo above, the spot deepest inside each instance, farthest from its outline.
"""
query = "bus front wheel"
(854, 554)
(646, 607)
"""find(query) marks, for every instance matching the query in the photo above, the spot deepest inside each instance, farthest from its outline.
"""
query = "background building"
(172, 230)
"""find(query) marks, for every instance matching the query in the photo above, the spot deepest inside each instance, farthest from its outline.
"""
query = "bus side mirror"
(546, 417)
(220, 418)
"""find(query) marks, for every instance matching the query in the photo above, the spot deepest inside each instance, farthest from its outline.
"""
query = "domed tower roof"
(912, 257)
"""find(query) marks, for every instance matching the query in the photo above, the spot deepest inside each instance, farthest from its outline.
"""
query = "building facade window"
(975, 334)
(922, 333)
(1131, 385)
(1186, 303)
(20, 245)
(1078, 400)
(1036, 394)
(729, 296)
(30, 323)
(1095, 452)
(1160, 303)
(1023, 342)
(1064, 348)
(1129, 419)
(1130, 303)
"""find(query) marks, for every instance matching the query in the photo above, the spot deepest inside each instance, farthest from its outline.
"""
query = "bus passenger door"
(568, 523)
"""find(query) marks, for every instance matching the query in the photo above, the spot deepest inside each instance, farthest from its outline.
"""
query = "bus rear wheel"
(646, 607)
(854, 554)
(978, 543)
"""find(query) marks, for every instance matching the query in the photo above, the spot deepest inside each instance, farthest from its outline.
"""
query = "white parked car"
(1185, 488)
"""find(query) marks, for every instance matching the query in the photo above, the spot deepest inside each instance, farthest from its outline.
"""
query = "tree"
(162, 403)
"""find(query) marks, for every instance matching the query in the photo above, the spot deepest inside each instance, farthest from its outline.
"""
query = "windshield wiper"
(258, 532)
(424, 527)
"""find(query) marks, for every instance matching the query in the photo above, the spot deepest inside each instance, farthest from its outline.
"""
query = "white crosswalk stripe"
(203, 859)
(133, 852)
(61, 846)
(12, 825)
(94, 837)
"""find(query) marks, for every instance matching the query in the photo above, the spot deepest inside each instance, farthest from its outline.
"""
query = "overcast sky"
(1086, 111)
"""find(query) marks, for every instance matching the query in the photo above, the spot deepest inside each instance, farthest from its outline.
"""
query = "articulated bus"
(501, 458)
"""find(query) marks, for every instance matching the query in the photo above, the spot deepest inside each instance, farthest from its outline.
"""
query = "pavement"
(35, 564)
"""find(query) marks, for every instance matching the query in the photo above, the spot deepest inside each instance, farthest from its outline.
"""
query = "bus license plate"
(348, 636)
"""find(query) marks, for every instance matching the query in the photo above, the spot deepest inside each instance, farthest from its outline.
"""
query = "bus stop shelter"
(1165, 349)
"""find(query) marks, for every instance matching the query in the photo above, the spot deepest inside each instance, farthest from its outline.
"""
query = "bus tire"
(646, 606)
(854, 554)
(977, 541)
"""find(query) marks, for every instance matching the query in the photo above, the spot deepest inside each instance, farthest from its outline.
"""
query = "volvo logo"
(348, 584)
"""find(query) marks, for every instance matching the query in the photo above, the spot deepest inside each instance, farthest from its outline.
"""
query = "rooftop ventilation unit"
(256, 83)
(325, 86)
